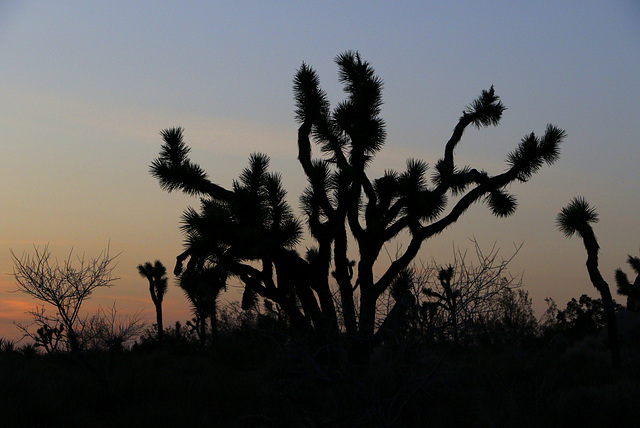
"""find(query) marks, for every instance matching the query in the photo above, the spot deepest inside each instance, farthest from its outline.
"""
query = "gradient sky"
(85, 88)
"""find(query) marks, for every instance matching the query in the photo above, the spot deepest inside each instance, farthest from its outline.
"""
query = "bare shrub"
(106, 331)
(64, 286)
(453, 300)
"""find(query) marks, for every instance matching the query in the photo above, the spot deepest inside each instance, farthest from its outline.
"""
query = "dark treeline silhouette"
(489, 364)
(581, 318)
(257, 373)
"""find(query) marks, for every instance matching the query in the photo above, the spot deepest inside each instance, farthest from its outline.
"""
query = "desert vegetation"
(508, 368)
(323, 336)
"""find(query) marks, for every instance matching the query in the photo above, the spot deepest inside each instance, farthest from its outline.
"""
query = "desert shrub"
(107, 331)
(580, 318)
(454, 300)
(178, 339)
(512, 321)
(7, 346)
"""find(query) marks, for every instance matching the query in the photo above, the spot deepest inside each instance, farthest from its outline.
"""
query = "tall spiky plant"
(340, 194)
(260, 232)
(202, 288)
(576, 218)
(156, 274)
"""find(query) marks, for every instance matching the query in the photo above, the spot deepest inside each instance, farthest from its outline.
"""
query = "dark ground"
(259, 382)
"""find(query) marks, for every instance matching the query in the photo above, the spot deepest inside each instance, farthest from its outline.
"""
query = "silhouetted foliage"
(454, 301)
(626, 288)
(48, 335)
(512, 321)
(580, 318)
(177, 339)
(259, 374)
(156, 274)
(576, 218)
(250, 231)
(202, 286)
(106, 331)
(7, 346)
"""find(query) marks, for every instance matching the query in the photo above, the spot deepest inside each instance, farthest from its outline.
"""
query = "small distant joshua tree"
(626, 288)
(157, 275)
(577, 218)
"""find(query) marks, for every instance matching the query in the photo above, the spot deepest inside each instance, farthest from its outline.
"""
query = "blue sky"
(85, 88)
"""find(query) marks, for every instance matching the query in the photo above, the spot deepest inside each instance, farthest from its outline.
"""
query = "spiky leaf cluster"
(354, 124)
(486, 110)
(533, 152)
(418, 200)
(202, 287)
(311, 101)
(625, 286)
(576, 217)
(256, 216)
(449, 293)
(156, 273)
(173, 169)
(357, 116)
(402, 284)
(501, 203)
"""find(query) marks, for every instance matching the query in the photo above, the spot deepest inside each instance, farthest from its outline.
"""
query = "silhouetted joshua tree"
(202, 288)
(257, 231)
(205, 275)
(157, 275)
(576, 218)
(626, 288)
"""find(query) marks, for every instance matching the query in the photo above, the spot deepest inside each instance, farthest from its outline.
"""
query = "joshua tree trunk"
(454, 324)
(158, 306)
(201, 323)
(601, 285)
(214, 322)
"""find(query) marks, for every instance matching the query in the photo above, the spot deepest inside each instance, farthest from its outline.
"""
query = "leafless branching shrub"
(453, 299)
(64, 286)
(106, 331)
